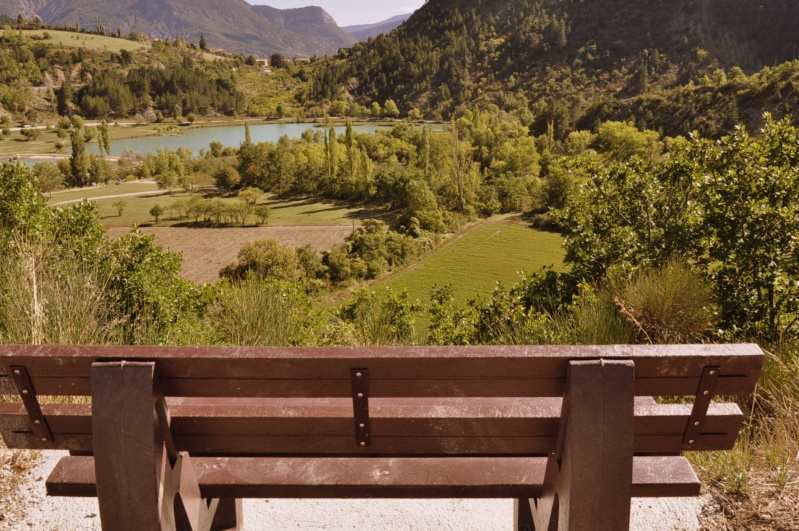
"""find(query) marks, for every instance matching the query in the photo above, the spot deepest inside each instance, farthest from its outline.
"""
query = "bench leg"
(588, 481)
(228, 515)
(523, 515)
(139, 485)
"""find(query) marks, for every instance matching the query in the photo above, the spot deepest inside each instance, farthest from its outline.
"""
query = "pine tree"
(203, 44)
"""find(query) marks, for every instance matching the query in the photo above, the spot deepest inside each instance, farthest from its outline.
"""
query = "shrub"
(264, 259)
(671, 304)
(264, 312)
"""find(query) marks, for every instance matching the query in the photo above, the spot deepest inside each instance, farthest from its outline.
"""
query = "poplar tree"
(78, 165)
(103, 138)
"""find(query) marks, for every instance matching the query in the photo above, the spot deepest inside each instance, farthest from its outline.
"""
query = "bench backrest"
(387, 401)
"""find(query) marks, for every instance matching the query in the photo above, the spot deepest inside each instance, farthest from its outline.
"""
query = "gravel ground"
(32, 509)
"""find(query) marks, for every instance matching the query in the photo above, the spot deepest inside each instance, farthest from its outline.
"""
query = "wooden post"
(139, 484)
(589, 477)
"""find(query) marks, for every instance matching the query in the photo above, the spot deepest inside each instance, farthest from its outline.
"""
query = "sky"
(352, 12)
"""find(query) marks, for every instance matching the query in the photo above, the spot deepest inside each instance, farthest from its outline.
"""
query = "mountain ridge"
(364, 32)
(233, 25)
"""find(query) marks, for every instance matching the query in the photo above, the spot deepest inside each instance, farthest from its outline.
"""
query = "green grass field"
(83, 40)
(473, 263)
(285, 212)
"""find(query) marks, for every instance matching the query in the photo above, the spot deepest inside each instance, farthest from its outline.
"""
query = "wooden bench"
(175, 437)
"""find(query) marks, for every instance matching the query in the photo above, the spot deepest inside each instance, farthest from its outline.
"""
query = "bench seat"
(452, 477)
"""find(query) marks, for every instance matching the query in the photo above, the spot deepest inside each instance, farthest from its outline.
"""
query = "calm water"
(229, 136)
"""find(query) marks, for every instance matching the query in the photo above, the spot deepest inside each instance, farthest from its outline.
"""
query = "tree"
(31, 134)
(264, 259)
(250, 196)
(78, 162)
(156, 212)
(263, 213)
(621, 141)
(65, 96)
(732, 206)
(49, 176)
(22, 206)
(120, 206)
(103, 138)
(227, 177)
(203, 44)
(247, 135)
(278, 61)
(390, 108)
(147, 293)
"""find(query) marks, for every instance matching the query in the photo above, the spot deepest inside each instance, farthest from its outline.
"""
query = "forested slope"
(579, 61)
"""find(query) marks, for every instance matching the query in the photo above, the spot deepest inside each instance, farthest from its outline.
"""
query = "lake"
(229, 136)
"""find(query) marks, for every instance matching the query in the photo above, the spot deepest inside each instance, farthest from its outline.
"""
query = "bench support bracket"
(707, 388)
(593, 461)
(142, 481)
(31, 403)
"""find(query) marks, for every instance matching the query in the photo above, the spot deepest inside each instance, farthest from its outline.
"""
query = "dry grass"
(206, 251)
(766, 507)
(756, 485)
(13, 466)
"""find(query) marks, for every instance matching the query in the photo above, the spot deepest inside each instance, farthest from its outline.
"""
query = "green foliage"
(49, 176)
(672, 304)
(146, 291)
(120, 206)
(749, 195)
(31, 134)
(730, 205)
(78, 162)
(264, 312)
(156, 211)
(264, 259)
(370, 319)
(622, 141)
(54, 302)
(22, 207)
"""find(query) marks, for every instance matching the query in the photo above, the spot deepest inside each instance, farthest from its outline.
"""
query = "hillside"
(571, 62)
(233, 25)
(363, 32)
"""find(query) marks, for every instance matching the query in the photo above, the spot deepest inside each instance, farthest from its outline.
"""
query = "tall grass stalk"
(44, 301)
(670, 304)
(263, 313)
(769, 439)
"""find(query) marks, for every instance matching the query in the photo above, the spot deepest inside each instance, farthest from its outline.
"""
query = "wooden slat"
(386, 388)
(383, 478)
(387, 363)
(7, 386)
(255, 427)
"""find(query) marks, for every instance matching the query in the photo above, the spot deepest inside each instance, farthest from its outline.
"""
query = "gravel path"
(75, 514)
